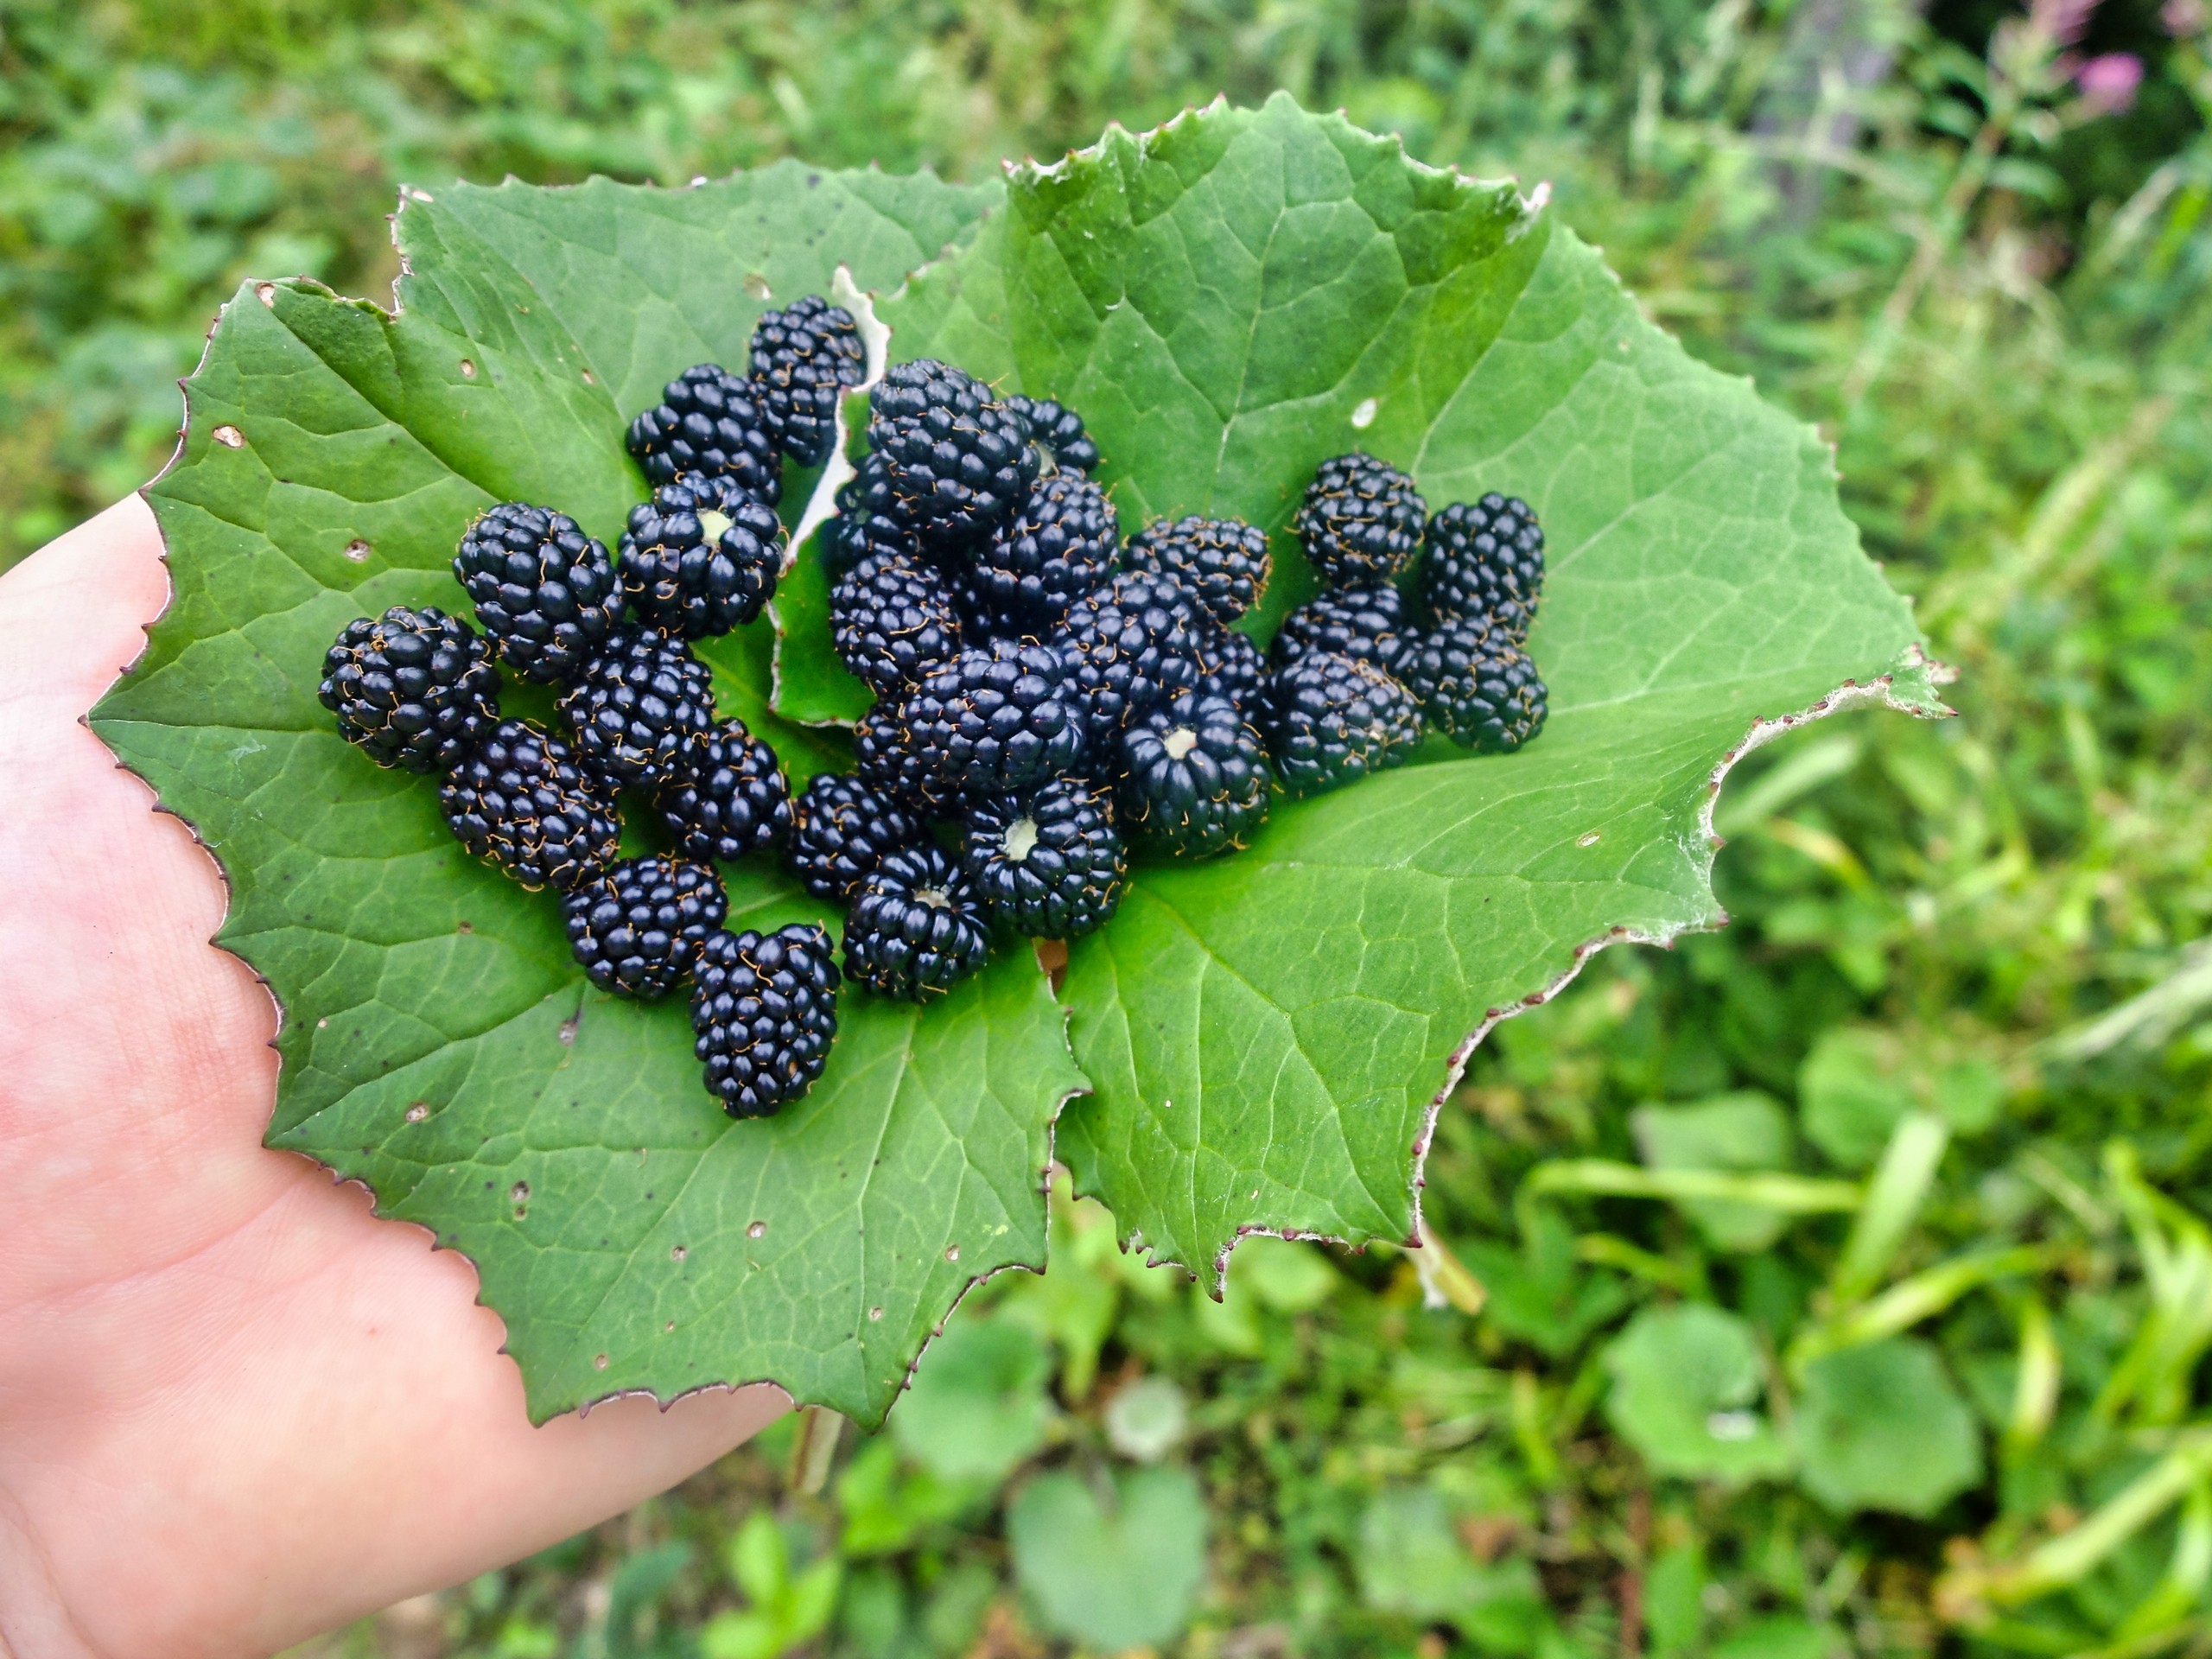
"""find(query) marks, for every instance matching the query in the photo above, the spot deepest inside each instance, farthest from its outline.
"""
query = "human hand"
(235, 1409)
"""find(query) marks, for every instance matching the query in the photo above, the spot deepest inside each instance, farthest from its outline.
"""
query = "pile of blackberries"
(1046, 698)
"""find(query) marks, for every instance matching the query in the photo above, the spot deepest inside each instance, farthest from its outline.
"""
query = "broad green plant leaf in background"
(1228, 300)
(1114, 1562)
(1687, 1383)
(1884, 1428)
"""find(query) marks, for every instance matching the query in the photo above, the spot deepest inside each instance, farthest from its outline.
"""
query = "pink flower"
(2182, 18)
(2108, 82)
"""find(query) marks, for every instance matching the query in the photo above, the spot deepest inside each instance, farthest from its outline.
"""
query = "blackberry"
(546, 593)
(840, 829)
(958, 464)
(1331, 720)
(1064, 446)
(804, 357)
(1476, 685)
(412, 688)
(637, 929)
(889, 760)
(1361, 520)
(1002, 717)
(1485, 559)
(915, 930)
(635, 705)
(1366, 622)
(702, 557)
(1060, 546)
(519, 798)
(1131, 643)
(709, 421)
(1194, 777)
(891, 621)
(1230, 665)
(868, 520)
(725, 796)
(1050, 864)
(1223, 562)
(764, 1013)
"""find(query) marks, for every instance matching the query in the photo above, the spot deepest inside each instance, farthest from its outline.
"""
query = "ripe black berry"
(887, 757)
(701, 557)
(1230, 665)
(804, 357)
(1365, 621)
(840, 829)
(1002, 717)
(1194, 777)
(725, 796)
(634, 706)
(1484, 560)
(958, 463)
(891, 621)
(764, 1012)
(519, 798)
(709, 421)
(546, 593)
(1331, 720)
(1361, 520)
(1475, 685)
(1131, 643)
(1051, 864)
(915, 929)
(413, 689)
(1057, 431)
(1057, 548)
(1223, 563)
(868, 520)
(637, 928)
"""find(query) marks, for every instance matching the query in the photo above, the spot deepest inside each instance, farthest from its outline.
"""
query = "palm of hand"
(234, 1407)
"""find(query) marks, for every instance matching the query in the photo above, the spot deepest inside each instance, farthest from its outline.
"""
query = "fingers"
(237, 1408)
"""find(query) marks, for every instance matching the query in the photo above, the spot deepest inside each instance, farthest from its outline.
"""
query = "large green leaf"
(1228, 300)
(1232, 298)
(439, 1044)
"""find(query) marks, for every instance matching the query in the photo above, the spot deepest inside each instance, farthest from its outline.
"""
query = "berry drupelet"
(1331, 720)
(413, 689)
(708, 421)
(1060, 547)
(1223, 563)
(1002, 716)
(1051, 864)
(725, 796)
(889, 760)
(1064, 446)
(764, 1013)
(546, 594)
(519, 798)
(635, 705)
(637, 928)
(1194, 777)
(1484, 560)
(1476, 686)
(1361, 520)
(958, 463)
(701, 557)
(1230, 666)
(841, 830)
(915, 929)
(803, 357)
(1131, 643)
(892, 620)
(1366, 621)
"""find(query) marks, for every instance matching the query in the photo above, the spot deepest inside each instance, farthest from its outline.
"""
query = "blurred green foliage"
(1839, 1283)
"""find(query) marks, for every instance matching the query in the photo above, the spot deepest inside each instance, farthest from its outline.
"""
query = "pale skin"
(236, 1409)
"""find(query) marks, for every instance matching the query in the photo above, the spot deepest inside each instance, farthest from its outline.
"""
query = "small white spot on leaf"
(230, 437)
(758, 1230)
(1589, 838)
(756, 285)
(952, 1252)
(357, 550)
(1363, 414)
(598, 1362)
(266, 292)
(875, 1313)
(468, 369)
(677, 1252)
(418, 1111)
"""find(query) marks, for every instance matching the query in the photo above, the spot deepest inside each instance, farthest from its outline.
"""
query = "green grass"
(1965, 967)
